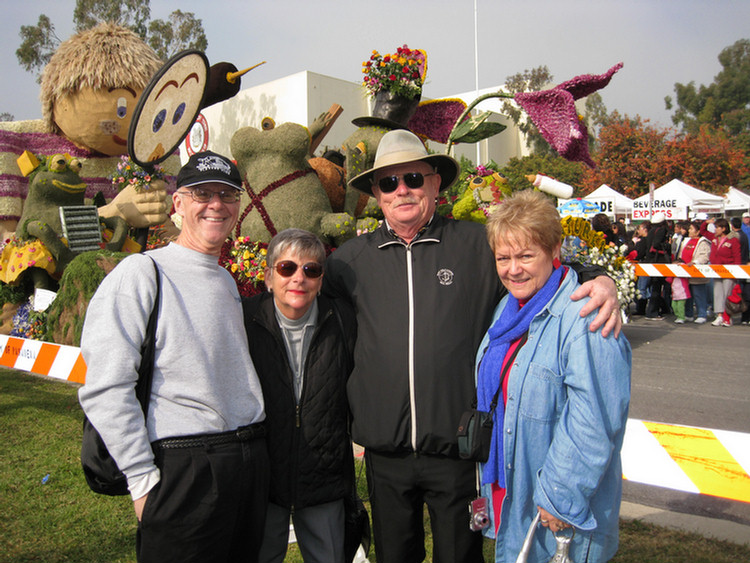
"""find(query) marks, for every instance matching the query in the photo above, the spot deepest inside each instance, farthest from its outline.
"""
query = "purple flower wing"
(435, 119)
(585, 84)
(555, 115)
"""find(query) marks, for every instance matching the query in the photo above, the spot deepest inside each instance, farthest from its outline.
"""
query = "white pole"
(476, 71)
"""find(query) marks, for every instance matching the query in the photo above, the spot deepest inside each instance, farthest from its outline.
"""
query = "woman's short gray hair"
(297, 241)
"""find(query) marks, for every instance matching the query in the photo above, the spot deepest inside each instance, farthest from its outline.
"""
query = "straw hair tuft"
(105, 56)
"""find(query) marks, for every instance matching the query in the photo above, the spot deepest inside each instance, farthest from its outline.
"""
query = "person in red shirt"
(725, 249)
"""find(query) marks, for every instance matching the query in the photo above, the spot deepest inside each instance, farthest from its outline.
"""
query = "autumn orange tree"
(632, 153)
(710, 160)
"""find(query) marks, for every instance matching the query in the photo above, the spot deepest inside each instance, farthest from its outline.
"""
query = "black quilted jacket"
(308, 442)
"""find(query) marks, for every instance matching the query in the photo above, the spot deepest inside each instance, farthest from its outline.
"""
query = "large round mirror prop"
(168, 107)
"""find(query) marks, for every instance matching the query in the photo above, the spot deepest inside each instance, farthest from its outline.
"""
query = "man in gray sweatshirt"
(197, 466)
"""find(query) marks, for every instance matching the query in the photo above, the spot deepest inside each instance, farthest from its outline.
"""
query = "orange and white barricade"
(43, 358)
(736, 272)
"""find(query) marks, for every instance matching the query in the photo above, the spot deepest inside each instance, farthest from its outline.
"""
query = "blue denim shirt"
(568, 396)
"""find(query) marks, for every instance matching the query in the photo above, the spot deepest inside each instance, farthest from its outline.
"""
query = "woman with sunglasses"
(300, 343)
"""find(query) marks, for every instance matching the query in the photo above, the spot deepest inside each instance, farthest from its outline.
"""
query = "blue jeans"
(700, 298)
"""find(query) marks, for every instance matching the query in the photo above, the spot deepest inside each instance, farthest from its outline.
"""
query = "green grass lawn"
(61, 520)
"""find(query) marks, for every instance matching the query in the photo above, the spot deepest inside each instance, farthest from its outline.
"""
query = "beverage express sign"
(669, 207)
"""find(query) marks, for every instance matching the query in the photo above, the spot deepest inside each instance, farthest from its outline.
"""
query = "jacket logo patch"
(445, 277)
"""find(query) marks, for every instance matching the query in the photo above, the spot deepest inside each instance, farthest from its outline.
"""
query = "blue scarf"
(513, 323)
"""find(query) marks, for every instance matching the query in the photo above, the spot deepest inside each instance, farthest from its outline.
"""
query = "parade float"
(287, 185)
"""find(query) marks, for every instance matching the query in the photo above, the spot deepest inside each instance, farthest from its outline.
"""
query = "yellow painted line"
(704, 459)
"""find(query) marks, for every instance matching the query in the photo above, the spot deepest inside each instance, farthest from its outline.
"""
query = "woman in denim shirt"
(561, 412)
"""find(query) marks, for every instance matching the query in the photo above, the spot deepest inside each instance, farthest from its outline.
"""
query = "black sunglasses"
(286, 268)
(412, 180)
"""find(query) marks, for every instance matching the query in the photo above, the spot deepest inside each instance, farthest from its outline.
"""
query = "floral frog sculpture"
(38, 247)
(283, 191)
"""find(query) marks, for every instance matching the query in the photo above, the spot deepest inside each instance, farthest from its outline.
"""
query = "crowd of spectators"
(701, 241)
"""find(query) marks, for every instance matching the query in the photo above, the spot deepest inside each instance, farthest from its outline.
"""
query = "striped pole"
(729, 271)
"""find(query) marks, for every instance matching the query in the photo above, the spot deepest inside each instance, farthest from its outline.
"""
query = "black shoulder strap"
(148, 346)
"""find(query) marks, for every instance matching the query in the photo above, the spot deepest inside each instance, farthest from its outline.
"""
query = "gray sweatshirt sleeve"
(113, 330)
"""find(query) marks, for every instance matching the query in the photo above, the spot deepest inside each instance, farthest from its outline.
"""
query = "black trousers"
(210, 505)
(400, 485)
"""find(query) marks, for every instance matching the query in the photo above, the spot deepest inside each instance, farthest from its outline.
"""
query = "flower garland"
(401, 73)
(586, 246)
(129, 173)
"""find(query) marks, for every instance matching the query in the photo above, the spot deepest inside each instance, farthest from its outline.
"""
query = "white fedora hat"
(399, 147)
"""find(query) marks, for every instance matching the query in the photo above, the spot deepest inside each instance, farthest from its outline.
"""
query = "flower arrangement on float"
(401, 73)
(129, 173)
(478, 193)
(586, 246)
(248, 260)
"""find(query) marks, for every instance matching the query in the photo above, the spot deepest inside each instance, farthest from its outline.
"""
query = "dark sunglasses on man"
(286, 268)
(412, 180)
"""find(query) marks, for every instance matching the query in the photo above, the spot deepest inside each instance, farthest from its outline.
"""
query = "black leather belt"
(242, 434)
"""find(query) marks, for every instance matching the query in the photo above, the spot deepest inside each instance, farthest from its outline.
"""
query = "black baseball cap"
(208, 167)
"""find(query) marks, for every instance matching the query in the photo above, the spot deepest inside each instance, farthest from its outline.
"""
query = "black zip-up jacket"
(308, 442)
(422, 310)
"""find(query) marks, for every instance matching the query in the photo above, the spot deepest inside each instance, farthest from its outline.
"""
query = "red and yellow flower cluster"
(401, 73)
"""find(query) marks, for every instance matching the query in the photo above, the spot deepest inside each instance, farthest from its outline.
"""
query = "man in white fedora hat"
(424, 288)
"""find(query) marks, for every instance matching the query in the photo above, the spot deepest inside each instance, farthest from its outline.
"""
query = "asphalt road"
(694, 375)
(697, 375)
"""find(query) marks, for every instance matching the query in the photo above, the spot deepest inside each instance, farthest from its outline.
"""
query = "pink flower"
(554, 113)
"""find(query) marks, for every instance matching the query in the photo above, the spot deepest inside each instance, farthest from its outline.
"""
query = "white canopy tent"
(677, 200)
(611, 202)
(736, 200)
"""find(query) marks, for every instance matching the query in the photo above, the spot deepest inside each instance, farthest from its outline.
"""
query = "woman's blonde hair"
(526, 217)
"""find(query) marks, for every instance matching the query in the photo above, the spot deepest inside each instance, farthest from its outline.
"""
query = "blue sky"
(661, 42)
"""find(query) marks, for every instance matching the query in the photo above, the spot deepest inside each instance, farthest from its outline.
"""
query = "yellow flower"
(261, 275)
(246, 255)
(235, 267)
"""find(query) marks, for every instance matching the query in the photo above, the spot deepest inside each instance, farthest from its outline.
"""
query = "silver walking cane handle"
(523, 555)
(563, 544)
